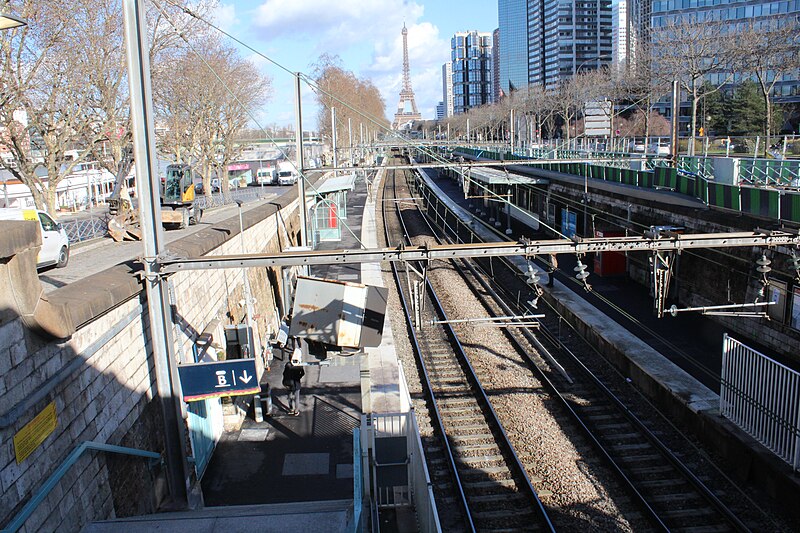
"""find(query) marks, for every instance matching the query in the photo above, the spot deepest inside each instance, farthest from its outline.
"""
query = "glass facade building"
(512, 16)
(566, 36)
(471, 59)
(728, 13)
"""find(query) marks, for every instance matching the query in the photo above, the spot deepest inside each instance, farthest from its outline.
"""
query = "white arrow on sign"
(244, 377)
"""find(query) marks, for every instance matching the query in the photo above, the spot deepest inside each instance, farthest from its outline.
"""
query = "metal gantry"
(163, 265)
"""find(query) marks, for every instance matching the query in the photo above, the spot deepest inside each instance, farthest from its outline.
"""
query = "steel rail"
(473, 376)
(701, 488)
(415, 344)
(674, 242)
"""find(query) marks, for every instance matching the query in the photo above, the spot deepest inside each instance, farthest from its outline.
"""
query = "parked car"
(55, 243)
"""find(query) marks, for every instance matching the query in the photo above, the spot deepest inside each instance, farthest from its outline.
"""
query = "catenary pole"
(147, 181)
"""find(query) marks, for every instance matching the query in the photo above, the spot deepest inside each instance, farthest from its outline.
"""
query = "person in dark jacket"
(292, 374)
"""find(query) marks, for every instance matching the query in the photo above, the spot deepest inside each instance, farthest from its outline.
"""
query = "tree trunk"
(695, 100)
(768, 125)
(52, 202)
(38, 198)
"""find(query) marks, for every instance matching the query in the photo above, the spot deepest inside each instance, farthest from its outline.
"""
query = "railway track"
(663, 482)
(473, 465)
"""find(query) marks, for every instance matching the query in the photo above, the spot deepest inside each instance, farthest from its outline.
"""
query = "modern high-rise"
(512, 17)
(620, 35)
(727, 14)
(565, 37)
(471, 57)
(447, 89)
(440, 111)
(497, 93)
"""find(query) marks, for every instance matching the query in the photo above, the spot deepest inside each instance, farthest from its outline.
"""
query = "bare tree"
(45, 109)
(354, 99)
(768, 51)
(691, 51)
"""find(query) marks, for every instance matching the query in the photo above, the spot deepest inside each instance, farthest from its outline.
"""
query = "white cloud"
(224, 16)
(334, 25)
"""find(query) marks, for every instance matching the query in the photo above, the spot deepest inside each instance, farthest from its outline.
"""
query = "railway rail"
(639, 448)
(474, 463)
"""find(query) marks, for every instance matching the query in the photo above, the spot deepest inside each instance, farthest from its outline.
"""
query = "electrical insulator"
(532, 276)
(763, 265)
(580, 268)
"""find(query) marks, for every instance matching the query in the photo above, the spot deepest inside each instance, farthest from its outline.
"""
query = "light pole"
(247, 294)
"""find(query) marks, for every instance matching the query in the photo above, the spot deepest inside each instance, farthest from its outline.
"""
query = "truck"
(287, 173)
(55, 243)
(266, 176)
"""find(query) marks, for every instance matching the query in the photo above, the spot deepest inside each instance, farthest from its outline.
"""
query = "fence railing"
(762, 397)
(97, 226)
(246, 194)
(86, 228)
(397, 455)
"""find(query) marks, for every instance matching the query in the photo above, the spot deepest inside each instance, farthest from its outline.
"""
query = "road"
(99, 255)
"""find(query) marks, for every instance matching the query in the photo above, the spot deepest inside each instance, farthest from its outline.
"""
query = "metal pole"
(675, 111)
(467, 132)
(144, 150)
(512, 131)
(248, 296)
(301, 180)
(350, 139)
(333, 128)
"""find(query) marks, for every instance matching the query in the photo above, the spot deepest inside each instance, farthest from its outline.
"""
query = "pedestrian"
(552, 270)
(292, 374)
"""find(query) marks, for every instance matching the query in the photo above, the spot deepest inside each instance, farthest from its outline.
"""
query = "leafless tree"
(355, 99)
(768, 50)
(691, 51)
(204, 99)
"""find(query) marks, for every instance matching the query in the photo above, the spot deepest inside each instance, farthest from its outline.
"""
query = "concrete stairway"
(332, 515)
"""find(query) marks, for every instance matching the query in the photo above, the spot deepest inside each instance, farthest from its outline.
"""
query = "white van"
(287, 174)
(55, 244)
(266, 176)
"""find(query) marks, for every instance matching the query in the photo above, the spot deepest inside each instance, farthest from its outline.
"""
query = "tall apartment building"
(727, 13)
(620, 35)
(566, 36)
(471, 58)
(497, 93)
(512, 71)
(447, 89)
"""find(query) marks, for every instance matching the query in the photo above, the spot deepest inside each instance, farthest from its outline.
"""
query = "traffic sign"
(236, 377)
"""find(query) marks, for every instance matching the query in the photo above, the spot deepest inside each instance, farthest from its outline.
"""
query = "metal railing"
(84, 229)
(762, 397)
(19, 520)
(418, 491)
(246, 194)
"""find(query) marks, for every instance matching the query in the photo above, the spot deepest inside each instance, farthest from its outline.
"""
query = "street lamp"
(9, 21)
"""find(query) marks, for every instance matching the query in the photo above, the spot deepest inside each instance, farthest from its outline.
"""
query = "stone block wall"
(107, 391)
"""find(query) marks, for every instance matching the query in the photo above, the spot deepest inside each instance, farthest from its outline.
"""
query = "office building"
(440, 110)
(497, 93)
(471, 58)
(727, 14)
(620, 35)
(447, 89)
(566, 36)
(512, 16)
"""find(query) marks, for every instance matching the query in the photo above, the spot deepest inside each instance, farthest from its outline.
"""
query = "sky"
(365, 34)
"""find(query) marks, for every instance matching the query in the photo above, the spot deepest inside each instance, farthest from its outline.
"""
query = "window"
(47, 223)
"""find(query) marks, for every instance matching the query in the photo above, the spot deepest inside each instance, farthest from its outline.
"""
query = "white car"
(55, 243)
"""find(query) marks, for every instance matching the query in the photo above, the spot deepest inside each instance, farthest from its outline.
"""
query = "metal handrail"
(20, 518)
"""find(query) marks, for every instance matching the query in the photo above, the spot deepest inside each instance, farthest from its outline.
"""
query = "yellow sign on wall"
(34, 432)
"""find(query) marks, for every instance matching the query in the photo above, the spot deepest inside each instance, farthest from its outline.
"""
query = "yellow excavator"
(178, 206)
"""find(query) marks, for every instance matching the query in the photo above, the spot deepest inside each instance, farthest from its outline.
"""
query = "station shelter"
(329, 207)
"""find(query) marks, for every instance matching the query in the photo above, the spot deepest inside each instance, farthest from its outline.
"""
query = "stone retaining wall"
(106, 374)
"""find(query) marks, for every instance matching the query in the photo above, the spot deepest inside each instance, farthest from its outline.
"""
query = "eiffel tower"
(402, 117)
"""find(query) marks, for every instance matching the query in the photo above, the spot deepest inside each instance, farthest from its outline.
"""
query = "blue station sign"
(236, 377)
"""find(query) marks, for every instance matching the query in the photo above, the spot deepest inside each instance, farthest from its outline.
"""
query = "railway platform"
(303, 464)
